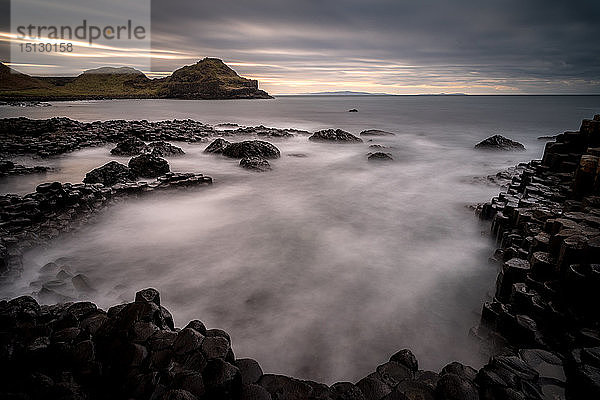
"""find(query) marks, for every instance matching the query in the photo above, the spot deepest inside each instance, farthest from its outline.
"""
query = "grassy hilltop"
(209, 78)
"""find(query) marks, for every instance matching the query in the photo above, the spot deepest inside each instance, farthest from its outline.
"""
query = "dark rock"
(149, 166)
(282, 387)
(249, 369)
(379, 156)
(221, 379)
(347, 391)
(215, 347)
(129, 147)
(376, 132)
(454, 387)
(373, 387)
(546, 364)
(197, 326)
(110, 174)
(353, 110)
(149, 296)
(393, 373)
(337, 135)
(217, 146)
(255, 164)
(254, 392)
(164, 149)
(188, 340)
(406, 358)
(499, 142)
(178, 394)
(251, 148)
(190, 381)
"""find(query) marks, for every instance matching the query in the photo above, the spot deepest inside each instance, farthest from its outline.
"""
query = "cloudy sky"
(403, 47)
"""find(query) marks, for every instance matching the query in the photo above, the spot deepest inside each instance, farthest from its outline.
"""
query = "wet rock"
(164, 149)
(353, 110)
(190, 381)
(282, 387)
(373, 387)
(217, 146)
(129, 147)
(393, 373)
(251, 148)
(188, 340)
(198, 326)
(407, 358)
(334, 135)
(215, 347)
(249, 369)
(380, 156)
(110, 174)
(547, 365)
(347, 391)
(148, 296)
(454, 387)
(222, 380)
(178, 394)
(254, 392)
(376, 132)
(82, 283)
(149, 166)
(255, 164)
(499, 142)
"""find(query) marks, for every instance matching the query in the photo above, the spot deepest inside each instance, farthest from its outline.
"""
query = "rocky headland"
(209, 78)
(542, 327)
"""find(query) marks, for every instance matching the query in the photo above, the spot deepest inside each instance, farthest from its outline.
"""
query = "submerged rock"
(251, 148)
(380, 156)
(334, 135)
(164, 149)
(499, 142)
(149, 166)
(376, 132)
(129, 147)
(217, 146)
(109, 174)
(255, 163)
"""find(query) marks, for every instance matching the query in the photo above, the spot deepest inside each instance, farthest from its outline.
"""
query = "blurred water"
(325, 266)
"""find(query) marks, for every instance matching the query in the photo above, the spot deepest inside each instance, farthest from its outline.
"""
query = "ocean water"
(327, 265)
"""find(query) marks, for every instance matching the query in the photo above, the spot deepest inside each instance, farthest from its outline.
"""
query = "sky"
(397, 47)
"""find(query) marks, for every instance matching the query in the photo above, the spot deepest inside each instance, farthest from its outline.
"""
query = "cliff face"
(209, 78)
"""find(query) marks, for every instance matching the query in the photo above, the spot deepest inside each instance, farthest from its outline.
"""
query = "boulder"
(110, 174)
(251, 148)
(407, 358)
(255, 164)
(380, 156)
(334, 135)
(149, 166)
(499, 142)
(353, 110)
(376, 132)
(250, 370)
(164, 149)
(217, 146)
(129, 147)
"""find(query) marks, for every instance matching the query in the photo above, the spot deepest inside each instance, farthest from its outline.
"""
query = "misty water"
(327, 265)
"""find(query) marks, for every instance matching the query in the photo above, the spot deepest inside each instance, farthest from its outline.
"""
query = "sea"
(327, 265)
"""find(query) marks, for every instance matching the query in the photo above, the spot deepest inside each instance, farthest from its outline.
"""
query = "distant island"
(347, 93)
(209, 78)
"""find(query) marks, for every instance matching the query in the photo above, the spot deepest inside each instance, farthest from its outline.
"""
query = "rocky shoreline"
(542, 327)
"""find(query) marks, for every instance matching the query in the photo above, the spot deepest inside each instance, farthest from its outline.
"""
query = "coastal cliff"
(209, 78)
